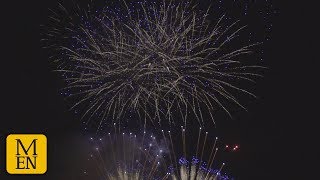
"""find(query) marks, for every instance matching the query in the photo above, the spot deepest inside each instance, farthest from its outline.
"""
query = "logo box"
(26, 154)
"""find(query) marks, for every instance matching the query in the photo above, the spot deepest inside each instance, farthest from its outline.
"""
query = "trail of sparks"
(192, 166)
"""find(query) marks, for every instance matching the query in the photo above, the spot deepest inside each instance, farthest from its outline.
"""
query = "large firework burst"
(159, 60)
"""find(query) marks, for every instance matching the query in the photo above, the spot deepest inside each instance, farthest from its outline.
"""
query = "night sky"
(271, 134)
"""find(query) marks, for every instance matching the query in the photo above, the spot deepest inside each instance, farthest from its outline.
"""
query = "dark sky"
(273, 136)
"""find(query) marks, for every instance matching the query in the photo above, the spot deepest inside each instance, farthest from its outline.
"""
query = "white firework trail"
(125, 156)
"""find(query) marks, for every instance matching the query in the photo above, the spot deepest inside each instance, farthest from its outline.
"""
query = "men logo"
(26, 154)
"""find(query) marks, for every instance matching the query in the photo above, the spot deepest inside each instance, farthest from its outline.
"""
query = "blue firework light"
(194, 170)
(161, 62)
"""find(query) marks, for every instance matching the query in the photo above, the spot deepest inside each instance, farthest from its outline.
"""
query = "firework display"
(128, 156)
(161, 61)
(153, 64)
